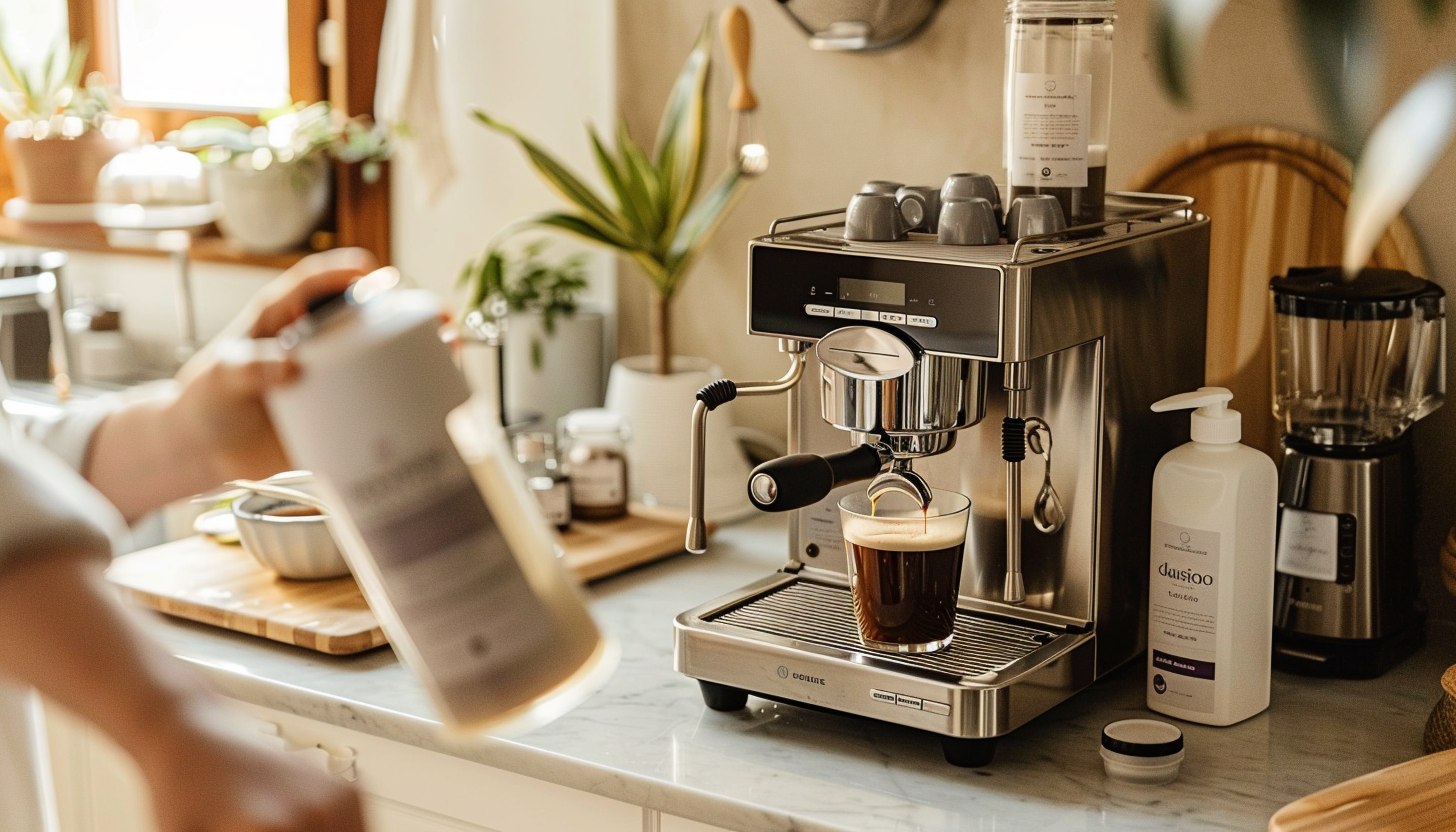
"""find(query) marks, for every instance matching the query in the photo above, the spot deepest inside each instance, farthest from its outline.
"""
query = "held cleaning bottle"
(1211, 591)
(451, 550)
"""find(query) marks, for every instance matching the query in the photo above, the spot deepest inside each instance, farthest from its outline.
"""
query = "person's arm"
(216, 428)
(67, 636)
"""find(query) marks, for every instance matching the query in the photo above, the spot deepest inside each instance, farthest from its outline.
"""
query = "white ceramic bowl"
(300, 548)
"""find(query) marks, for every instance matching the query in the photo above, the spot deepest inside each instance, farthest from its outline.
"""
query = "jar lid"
(592, 421)
(1142, 738)
(1374, 295)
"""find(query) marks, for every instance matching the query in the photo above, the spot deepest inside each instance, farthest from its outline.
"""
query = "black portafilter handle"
(802, 480)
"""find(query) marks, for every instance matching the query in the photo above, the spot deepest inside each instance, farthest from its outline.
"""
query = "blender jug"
(1356, 362)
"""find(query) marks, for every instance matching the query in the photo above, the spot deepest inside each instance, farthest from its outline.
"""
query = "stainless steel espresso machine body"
(1074, 335)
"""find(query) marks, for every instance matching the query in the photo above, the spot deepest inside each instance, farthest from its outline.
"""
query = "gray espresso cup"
(1034, 214)
(972, 185)
(881, 218)
(967, 221)
(880, 186)
(930, 197)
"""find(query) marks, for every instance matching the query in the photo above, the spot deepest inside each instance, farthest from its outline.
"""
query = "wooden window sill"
(90, 237)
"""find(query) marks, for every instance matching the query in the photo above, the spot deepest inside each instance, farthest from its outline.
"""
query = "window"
(202, 54)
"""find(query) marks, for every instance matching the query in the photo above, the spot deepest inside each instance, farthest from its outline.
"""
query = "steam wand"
(1013, 450)
(710, 397)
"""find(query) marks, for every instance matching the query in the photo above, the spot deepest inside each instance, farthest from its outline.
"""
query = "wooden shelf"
(206, 248)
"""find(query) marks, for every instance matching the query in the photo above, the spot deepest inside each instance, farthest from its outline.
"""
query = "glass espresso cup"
(905, 568)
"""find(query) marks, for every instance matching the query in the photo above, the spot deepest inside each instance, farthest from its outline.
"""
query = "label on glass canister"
(1051, 115)
(1183, 617)
(599, 483)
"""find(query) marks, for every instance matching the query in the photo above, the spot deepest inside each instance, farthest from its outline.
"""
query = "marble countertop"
(647, 739)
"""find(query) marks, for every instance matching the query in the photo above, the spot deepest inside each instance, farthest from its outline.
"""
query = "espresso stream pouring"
(446, 543)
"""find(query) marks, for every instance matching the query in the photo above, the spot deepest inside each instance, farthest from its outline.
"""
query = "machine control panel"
(808, 293)
(911, 702)
(845, 313)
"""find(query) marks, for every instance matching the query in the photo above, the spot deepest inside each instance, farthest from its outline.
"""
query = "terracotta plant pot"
(58, 170)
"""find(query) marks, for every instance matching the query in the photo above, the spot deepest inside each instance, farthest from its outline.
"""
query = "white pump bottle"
(1211, 591)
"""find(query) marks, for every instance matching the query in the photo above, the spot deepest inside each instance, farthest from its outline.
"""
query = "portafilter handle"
(801, 480)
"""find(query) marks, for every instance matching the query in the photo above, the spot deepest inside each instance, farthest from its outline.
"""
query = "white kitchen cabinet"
(676, 824)
(98, 787)
(406, 789)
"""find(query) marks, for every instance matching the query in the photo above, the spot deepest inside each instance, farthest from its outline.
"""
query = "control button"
(936, 707)
(883, 696)
(922, 320)
(819, 310)
(869, 315)
(892, 317)
(907, 701)
(851, 314)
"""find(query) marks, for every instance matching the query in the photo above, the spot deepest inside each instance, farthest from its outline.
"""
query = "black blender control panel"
(806, 294)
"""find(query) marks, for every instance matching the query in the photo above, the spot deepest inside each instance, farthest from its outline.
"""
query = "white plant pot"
(274, 209)
(658, 410)
(569, 376)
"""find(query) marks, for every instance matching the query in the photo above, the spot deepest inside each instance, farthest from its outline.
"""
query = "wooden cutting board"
(1417, 796)
(1276, 199)
(201, 580)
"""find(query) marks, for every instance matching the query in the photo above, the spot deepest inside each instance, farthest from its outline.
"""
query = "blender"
(1356, 364)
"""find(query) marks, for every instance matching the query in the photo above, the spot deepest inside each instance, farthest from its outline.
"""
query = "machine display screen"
(871, 291)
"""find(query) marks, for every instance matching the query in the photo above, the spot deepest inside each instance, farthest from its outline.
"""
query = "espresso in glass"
(905, 568)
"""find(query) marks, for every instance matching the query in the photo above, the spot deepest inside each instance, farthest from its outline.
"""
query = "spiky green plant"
(49, 90)
(1342, 49)
(652, 212)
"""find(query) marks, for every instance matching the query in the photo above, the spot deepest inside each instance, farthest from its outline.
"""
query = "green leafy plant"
(53, 91)
(292, 134)
(652, 212)
(530, 282)
(1341, 44)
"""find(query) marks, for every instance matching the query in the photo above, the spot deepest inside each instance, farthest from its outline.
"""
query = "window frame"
(95, 21)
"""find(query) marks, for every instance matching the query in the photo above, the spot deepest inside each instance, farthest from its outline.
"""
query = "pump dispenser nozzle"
(1212, 422)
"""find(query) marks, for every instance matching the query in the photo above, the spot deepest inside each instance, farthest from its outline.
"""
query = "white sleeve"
(45, 507)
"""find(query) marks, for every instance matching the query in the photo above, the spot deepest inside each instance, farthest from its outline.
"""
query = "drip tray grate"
(823, 615)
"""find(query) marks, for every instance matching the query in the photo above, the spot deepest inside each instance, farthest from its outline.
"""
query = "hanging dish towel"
(407, 93)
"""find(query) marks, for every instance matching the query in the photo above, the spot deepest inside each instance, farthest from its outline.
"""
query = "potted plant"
(652, 214)
(273, 182)
(59, 134)
(552, 348)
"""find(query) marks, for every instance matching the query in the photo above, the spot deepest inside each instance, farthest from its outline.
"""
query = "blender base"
(1347, 658)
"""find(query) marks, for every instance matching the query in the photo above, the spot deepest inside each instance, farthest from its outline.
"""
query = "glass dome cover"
(1356, 362)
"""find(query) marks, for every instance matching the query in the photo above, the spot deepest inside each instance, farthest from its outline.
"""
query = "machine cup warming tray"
(823, 615)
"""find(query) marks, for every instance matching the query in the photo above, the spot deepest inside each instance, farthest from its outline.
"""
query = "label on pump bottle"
(1050, 120)
(1183, 617)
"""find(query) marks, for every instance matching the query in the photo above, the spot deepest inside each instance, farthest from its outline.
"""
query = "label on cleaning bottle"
(1183, 617)
(1050, 117)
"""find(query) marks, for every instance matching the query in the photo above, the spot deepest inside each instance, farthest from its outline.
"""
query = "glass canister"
(595, 440)
(1059, 102)
(1356, 362)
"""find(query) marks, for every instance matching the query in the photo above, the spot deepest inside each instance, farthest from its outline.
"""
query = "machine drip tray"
(823, 615)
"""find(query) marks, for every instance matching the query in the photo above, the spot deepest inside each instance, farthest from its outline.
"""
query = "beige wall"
(919, 112)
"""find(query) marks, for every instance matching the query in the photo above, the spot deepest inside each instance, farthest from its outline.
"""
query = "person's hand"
(221, 401)
(205, 779)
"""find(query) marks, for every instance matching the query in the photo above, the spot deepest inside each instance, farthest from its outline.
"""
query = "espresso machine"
(1356, 364)
(934, 365)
